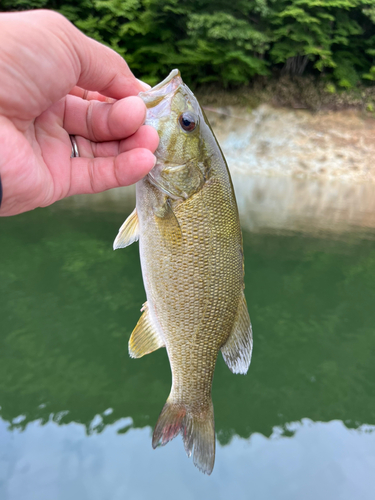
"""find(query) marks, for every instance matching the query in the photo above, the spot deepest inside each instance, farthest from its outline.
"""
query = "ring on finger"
(75, 152)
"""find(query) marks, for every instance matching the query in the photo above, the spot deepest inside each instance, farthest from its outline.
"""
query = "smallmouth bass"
(190, 243)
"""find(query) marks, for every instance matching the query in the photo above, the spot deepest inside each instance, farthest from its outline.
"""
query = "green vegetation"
(230, 43)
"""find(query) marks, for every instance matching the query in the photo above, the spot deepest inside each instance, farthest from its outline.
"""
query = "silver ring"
(75, 152)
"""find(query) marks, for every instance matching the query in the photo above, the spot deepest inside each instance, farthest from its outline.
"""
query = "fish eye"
(188, 121)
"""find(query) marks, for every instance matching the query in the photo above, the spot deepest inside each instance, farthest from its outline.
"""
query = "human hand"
(57, 82)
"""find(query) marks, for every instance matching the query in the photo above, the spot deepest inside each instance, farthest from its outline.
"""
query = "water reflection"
(322, 460)
(320, 207)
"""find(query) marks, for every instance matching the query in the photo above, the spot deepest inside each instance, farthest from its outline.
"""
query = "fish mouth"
(168, 86)
(173, 74)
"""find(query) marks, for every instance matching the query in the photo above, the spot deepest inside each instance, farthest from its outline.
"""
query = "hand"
(55, 81)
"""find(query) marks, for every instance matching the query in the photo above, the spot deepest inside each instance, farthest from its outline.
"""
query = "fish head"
(186, 139)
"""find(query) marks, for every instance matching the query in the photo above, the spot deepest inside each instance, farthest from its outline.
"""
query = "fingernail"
(145, 85)
(154, 161)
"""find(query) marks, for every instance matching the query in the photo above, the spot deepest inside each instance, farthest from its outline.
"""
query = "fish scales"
(190, 242)
(195, 286)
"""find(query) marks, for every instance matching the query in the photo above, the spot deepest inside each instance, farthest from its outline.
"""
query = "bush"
(230, 42)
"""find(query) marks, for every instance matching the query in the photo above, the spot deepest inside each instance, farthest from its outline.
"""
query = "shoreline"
(288, 142)
(292, 170)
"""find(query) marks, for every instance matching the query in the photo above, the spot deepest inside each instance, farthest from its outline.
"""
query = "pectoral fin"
(168, 224)
(145, 338)
(128, 232)
(237, 350)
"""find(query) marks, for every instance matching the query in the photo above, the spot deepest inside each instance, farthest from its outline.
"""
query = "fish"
(191, 252)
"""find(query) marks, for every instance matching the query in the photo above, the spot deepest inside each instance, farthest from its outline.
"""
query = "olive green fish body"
(192, 264)
(194, 280)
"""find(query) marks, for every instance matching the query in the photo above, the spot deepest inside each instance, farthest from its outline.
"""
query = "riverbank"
(293, 170)
(294, 92)
(294, 142)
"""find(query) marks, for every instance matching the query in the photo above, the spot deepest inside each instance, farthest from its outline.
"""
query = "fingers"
(145, 137)
(45, 57)
(93, 175)
(102, 69)
(89, 96)
(99, 121)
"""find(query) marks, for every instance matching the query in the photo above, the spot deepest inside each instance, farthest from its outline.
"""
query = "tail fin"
(198, 432)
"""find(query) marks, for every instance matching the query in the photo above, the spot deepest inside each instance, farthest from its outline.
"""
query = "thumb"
(96, 67)
(103, 70)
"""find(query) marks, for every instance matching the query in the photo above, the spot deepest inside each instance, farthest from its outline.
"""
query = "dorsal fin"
(237, 350)
(145, 338)
(128, 232)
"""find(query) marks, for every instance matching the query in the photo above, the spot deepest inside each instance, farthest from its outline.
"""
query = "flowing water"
(77, 413)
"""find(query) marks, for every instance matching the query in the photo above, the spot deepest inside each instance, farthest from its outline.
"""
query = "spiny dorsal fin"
(145, 338)
(237, 350)
(128, 232)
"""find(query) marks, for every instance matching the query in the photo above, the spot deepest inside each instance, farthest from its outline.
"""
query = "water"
(77, 413)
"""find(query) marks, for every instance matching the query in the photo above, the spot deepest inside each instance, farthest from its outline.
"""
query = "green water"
(76, 412)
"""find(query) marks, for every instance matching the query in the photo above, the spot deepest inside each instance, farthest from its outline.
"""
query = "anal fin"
(238, 348)
(145, 338)
(128, 232)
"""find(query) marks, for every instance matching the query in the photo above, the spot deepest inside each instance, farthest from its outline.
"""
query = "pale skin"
(57, 82)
